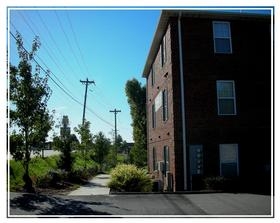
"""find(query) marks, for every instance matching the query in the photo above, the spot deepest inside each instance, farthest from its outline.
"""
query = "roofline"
(167, 14)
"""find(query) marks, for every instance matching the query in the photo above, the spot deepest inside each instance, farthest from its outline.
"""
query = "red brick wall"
(163, 134)
(248, 66)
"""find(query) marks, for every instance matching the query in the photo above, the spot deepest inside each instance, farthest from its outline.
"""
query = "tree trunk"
(28, 184)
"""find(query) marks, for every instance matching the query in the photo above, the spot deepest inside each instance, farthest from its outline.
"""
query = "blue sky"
(107, 46)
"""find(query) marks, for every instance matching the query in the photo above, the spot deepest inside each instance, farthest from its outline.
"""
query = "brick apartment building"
(209, 99)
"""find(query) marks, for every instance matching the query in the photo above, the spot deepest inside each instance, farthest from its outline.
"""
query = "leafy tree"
(64, 143)
(86, 140)
(136, 97)
(121, 144)
(101, 148)
(17, 146)
(29, 94)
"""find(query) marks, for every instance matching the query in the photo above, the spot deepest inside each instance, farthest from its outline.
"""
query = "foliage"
(29, 94)
(122, 146)
(44, 172)
(16, 175)
(111, 158)
(64, 143)
(115, 155)
(101, 148)
(86, 141)
(17, 146)
(39, 168)
(80, 171)
(222, 183)
(138, 155)
(129, 178)
(136, 95)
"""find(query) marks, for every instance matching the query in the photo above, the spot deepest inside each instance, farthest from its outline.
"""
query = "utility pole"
(86, 82)
(115, 112)
(115, 147)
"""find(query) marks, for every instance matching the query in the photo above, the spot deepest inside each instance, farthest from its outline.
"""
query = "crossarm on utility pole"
(115, 111)
(86, 82)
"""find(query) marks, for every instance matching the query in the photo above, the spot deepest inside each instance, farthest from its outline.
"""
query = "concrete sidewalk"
(96, 186)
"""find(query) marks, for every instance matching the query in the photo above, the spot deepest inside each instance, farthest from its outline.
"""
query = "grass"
(41, 171)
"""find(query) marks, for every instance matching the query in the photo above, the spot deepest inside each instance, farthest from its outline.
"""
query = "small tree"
(86, 140)
(29, 94)
(64, 143)
(101, 148)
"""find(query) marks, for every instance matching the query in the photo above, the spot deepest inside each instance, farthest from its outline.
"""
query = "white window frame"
(152, 73)
(154, 154)
(237, 157)
(163, 51)
(166, 159)
(165, 105)
(230, 98)
(153, 116)
(217, 37)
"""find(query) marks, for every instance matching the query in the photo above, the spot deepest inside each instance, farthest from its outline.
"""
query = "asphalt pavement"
(140, 205)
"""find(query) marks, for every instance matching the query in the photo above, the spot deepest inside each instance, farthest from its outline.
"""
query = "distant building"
(209, 99)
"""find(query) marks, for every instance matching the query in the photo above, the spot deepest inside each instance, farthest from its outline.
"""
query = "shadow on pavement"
(48, 205)
(91, 184)
(103, 177)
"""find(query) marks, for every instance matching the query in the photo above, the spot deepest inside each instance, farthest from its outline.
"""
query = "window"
(166, 159)
(226, 97)
(152, 74)
(154, 159)
(229, 166)
(163, 51)
(222, 37)
(164, 105)
(153, 116)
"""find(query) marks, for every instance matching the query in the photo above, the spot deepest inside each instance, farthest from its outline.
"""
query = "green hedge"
(129, 178)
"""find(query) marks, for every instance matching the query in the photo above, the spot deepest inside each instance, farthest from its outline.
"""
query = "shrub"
(16, 175)
(222, 183)
(129, 178)
(214, 183)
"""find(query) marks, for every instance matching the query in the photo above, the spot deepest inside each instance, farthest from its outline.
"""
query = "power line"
(115, 111)
(77, 43)
(43, 62)
(47, 72)
(68, 41)
(55, 43)
(47, 50)
(99, 92)
(86, 82)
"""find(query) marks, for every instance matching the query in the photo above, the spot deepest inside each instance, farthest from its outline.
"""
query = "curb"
(167, 192)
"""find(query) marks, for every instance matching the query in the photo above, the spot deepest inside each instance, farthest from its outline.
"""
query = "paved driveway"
(172, 205)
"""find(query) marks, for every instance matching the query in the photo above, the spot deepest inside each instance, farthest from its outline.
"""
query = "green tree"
(29, 94)
(136, 97)
(101, 148)
(64, 143)
(86, 140)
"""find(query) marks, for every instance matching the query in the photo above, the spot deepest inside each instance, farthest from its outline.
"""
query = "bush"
(222, 183)
(44, 172)
(38, 169)
(214, 183)
(16, 175)
(129, 178)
